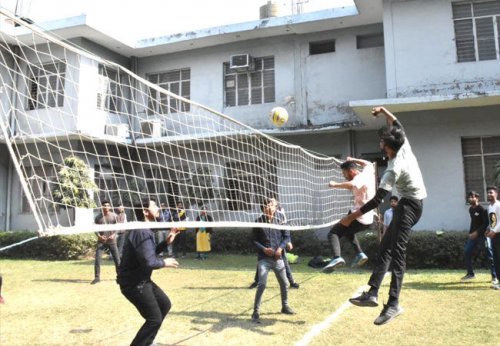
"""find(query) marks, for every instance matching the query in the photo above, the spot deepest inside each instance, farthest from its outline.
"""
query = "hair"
(346, 165)
(140, 207)
(105, 201)
(265, 202)
(394, 198)
(393, 137)
(494, 188)
(473, 194)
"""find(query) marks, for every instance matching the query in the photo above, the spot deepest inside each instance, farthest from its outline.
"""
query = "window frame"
(164, 105)
(256, 85)
(41, 93)
(109, 95)
(41, 189)
(486, 176)
(479, 54)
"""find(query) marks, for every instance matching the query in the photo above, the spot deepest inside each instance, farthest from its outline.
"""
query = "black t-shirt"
(478, 219)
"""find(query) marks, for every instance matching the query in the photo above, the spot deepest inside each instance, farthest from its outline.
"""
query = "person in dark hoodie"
(140, 258)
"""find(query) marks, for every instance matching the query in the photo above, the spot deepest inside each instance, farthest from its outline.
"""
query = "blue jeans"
(264, 266)
(153, 304)
(469, 248)
(113, 249)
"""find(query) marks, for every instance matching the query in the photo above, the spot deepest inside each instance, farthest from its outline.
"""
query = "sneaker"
(494, 281)
(294, 285)
(287, 310)
(253, 285)
(360, 260)
(468, 277)
(388, 313)
(365, 299)
(95, 281)
(334, 264)
(255, 317)
(495, 287)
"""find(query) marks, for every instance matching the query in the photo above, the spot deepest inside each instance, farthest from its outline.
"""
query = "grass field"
(52, 303)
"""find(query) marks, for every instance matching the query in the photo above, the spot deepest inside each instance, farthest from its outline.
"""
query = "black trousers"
(338, 231)
(113, 249)
(392, 248)
(153, 304)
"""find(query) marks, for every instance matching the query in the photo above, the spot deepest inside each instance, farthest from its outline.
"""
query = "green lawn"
(52, 303)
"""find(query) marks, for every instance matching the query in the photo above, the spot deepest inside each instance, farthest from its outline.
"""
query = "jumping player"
(362, 186)
(403, 173)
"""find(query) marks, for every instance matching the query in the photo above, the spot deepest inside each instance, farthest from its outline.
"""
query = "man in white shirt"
(493, 230)
(388, 213)
(362, 186)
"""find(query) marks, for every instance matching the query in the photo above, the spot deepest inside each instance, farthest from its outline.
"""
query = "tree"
(74, 185)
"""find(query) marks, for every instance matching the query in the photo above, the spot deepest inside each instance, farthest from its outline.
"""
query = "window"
(321, 47)
(169, 185)
(481, 158)
(249, 87)
(370, 41)
(110, 182)
(39, 180)
(109, 92)
(47, 86)
(246, 182)
(477, 28)
(175, 81)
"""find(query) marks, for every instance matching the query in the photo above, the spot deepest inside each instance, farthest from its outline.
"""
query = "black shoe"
(253, 285)
(388, 313)
(255, 317)
(294, 285)
(365, 299)
(95, 281)
(287, 310)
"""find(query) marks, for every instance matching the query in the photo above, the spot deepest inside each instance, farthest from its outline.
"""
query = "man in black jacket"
(140, 258)
(270, 243)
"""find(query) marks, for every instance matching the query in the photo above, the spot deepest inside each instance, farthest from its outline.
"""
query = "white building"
(435, 63)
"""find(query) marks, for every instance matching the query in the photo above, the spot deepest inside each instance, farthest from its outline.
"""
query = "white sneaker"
(494, 281)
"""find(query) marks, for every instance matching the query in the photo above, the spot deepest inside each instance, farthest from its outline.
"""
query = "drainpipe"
(351, 139)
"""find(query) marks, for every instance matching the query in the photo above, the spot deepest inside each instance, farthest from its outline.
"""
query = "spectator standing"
(203, 235)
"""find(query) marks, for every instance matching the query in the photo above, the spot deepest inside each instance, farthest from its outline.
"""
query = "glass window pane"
(486, 39)
(461, 10)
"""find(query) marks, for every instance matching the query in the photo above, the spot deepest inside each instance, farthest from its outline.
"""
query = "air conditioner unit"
(241, 62)
(117, 130)
(151, 128)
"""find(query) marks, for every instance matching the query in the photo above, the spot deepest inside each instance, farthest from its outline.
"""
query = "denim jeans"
(392, 248)
(469, 248)
(263, 267)
(153, 304)
(113, 249)
(288, 271)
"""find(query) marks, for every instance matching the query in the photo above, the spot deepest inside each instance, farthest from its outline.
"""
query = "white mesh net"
(81, 130)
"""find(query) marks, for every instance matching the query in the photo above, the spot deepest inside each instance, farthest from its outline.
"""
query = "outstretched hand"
(171, 263)
(377, 110)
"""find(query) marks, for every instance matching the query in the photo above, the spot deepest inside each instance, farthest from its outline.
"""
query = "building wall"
(421, 54)
(318, 86)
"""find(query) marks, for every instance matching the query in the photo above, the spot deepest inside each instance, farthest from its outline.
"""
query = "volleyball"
(279, 116)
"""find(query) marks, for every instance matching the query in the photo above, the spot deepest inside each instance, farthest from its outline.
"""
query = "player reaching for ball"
(403, 173)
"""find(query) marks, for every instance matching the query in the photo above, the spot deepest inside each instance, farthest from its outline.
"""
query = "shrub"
(425, 249)
(67, 247)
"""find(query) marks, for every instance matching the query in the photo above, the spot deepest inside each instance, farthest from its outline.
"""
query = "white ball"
(279, 116)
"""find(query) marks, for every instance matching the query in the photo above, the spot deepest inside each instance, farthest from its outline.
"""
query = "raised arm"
(390, 118)
(360, 162)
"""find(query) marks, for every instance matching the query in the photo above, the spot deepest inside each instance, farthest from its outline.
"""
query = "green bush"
(426, 249)
(62, 247)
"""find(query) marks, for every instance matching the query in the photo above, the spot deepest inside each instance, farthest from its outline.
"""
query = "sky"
(151, 18)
